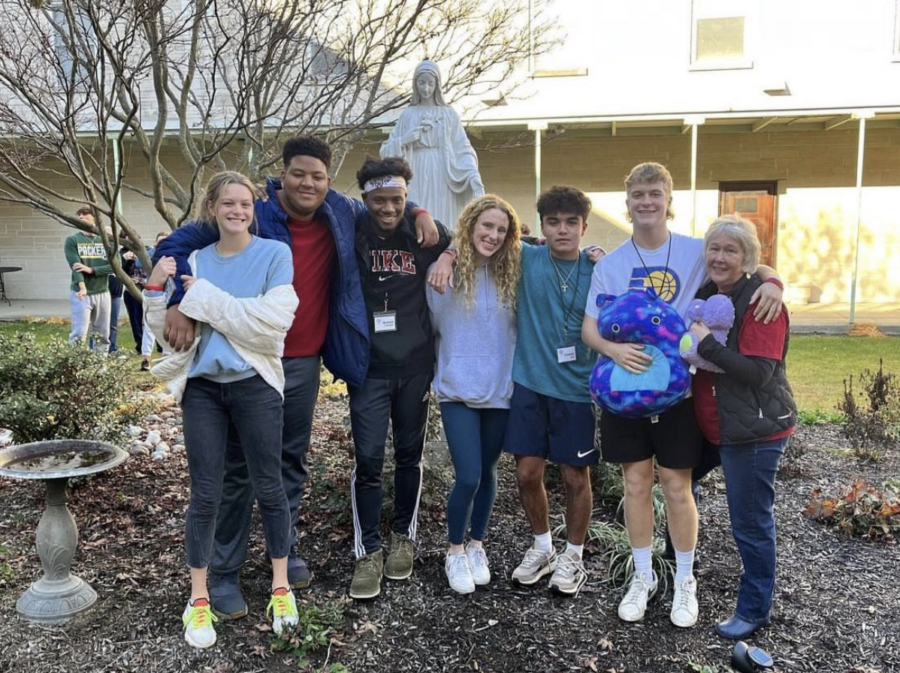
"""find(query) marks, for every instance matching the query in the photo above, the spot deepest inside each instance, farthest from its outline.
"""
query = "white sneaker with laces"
(569, 575)
(684, 604)
(478, 564)
(458, 573)
(198, 624)
(634, 604)
(534, 566)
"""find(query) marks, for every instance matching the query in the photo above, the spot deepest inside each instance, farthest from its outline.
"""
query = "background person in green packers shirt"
(89, 298)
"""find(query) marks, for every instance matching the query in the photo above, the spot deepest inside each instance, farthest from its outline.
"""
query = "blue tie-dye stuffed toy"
(639, 316)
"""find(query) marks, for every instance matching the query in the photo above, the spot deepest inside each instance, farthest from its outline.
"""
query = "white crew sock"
(643, 561)
(684, 564)
(544, 542)
(576, 549)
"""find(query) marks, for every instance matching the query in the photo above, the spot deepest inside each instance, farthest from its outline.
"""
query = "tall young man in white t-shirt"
(673, 266)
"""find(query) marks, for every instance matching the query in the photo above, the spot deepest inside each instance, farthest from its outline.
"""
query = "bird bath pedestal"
(58, 596)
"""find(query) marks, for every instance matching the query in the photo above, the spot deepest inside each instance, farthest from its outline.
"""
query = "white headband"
(384, 181)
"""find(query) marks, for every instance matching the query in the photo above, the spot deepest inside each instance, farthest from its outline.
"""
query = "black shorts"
(674, 439)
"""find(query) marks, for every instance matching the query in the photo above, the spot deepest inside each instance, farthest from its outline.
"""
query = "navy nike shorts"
(551, 428)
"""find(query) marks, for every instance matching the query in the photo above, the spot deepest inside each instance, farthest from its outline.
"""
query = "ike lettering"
(393, 261)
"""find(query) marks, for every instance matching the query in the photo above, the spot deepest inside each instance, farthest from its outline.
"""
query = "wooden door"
(754, 201)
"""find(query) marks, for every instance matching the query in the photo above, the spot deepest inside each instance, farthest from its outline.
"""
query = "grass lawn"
(817, 365)
(54, 328)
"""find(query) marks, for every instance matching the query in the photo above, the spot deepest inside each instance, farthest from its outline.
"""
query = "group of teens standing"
(504, 330)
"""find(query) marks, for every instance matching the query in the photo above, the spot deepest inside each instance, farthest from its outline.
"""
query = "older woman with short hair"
(748, 411)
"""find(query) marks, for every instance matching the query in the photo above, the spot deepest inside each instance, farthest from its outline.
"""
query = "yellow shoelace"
(199, 616)
(280, 606)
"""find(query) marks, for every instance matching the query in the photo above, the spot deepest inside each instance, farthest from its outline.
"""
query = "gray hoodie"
(474, 345)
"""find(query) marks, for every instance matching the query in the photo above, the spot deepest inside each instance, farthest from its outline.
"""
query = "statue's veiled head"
(426, 84)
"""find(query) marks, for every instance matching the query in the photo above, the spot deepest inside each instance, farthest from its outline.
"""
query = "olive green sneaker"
(399, 565)
(367, 576)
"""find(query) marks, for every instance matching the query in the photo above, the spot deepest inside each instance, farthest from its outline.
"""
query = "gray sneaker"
(569, 575)
(534, 566)
(399, 564)
(225, 597)
(367, 576)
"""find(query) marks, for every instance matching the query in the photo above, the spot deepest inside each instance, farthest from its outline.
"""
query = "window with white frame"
(721, 34)
(75, 43)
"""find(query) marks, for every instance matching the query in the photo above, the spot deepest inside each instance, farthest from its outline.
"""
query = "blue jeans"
(750, 471)
(475, 438)
(252, 409)
(301, 388)
(115, 306)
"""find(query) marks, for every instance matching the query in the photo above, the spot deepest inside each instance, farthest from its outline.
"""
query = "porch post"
(694, 122)
(538, 128)
(861, 150)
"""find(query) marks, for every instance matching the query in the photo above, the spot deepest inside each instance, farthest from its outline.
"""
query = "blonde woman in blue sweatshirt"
(475, 328)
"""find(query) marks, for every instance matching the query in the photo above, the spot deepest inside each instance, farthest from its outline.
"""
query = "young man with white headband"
(392, 268)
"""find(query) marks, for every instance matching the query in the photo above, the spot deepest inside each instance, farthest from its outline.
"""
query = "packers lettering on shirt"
(390, 262)
(91, 251)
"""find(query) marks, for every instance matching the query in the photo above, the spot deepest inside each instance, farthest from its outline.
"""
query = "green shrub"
(313, 632)
(860, 510)
(57, 391)
(871, 412)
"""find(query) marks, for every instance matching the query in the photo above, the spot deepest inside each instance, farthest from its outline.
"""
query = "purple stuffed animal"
(717, 313)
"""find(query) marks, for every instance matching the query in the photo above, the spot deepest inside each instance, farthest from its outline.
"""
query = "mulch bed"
(837, 605)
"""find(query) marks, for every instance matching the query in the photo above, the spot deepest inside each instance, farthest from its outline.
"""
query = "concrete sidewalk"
(805, 319)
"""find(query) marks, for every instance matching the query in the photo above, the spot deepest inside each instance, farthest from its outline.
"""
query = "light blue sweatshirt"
(475, 345)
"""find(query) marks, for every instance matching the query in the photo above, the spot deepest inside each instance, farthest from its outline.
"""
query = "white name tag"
(565, 354)
(385, 321)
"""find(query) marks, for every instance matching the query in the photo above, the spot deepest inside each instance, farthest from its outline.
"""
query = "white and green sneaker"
(282, 610)
(198, 624)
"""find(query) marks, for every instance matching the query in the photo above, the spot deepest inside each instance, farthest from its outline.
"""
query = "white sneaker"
(198, 624)
(534, 566)
(282, 609)
(478, 564)
(634, 604)
(458, 573)
(684, 603)
(569, 575)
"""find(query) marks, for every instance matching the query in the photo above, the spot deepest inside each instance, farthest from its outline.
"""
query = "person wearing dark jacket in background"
(747, 411)
(143, 337)
(318, 224)
(392, 267)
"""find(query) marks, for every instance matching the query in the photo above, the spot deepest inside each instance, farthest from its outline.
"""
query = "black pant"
(403, 402)
(135, 319)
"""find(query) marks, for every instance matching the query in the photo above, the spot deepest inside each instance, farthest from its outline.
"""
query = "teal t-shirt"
(549, 318)
(262, 265)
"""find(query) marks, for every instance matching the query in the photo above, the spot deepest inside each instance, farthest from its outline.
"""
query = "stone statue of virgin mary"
(431, 138)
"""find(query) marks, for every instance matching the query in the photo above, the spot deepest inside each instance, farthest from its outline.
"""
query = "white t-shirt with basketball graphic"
(628, 267)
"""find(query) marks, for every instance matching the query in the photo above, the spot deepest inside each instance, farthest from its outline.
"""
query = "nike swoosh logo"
(582, 454)
(384, 278)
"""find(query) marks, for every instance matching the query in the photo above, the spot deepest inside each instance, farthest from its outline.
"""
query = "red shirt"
(754, 340)
(313, 251)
